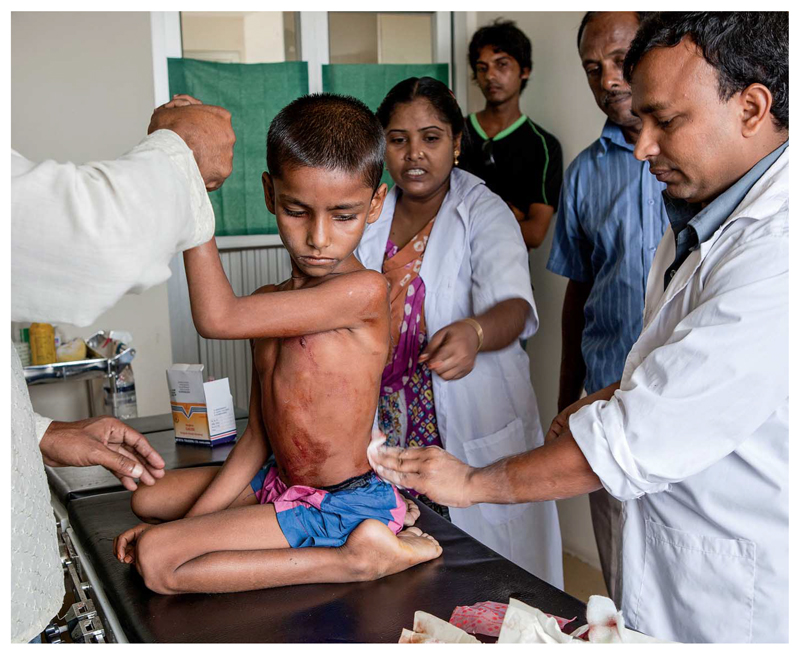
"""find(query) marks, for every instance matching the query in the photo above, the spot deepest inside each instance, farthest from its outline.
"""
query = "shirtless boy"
(320, 341)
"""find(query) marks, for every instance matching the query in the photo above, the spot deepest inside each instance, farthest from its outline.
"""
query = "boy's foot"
(374, 552)
(412, 513)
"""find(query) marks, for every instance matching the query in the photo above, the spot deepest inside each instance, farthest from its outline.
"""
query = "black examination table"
(94, 510)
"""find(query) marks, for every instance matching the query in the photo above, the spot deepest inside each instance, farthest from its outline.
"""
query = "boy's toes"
(421, 546)
(412, 513)
(409, 532)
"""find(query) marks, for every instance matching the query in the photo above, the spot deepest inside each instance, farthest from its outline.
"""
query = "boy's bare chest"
(319, 362)
(319, 394)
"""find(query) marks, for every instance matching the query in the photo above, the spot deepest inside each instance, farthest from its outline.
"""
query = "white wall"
(203, 31)
(353, 37)
(263, 37)
(82, 89)
(405, 39)
(247, 37)
(558, 98)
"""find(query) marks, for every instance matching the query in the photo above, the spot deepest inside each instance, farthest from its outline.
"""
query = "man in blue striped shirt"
(611, 218)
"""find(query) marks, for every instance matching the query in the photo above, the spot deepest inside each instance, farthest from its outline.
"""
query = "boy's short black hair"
(589, 16)
(745, 47)
(324, 130)
(502, 36)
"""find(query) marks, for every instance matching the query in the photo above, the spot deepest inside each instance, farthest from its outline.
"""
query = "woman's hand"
(452, 350)
(125, 544)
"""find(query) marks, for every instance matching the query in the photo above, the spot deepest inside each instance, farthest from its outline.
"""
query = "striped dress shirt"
(611, 217)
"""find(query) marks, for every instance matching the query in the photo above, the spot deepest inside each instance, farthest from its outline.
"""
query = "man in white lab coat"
(82, 237)
(695, 435)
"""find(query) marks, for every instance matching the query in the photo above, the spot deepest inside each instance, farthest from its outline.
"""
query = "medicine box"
(202, 412)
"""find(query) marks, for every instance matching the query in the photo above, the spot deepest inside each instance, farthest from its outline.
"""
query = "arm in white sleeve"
(83, 236)
(499, 260)
(692, 401)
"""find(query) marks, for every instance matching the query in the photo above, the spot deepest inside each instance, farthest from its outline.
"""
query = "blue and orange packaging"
(202, 412)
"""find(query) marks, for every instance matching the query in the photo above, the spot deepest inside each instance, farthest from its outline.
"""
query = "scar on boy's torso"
(319, 397)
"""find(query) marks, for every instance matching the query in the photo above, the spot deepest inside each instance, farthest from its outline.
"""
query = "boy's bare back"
(319, 391)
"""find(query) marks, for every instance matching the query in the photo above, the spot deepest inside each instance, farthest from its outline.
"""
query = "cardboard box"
(202, 412)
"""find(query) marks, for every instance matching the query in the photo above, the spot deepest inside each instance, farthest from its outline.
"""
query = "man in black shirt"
(517, 158)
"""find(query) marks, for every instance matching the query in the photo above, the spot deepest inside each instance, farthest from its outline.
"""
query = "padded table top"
(366, 612)
(71, 482)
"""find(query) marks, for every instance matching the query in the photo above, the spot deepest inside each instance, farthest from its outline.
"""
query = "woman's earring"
(455, 163)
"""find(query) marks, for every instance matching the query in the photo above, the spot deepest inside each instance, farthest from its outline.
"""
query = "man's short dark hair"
(324, 130)
(589, 16)
(744, 47)
(502, 36)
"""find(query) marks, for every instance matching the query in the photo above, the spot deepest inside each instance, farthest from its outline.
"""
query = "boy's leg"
(243, 548)
(173, 495)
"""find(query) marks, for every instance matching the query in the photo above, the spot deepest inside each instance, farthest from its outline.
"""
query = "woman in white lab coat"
(461, 300)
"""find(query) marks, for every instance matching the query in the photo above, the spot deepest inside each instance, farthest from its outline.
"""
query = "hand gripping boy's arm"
(242, 464)
(345, 301)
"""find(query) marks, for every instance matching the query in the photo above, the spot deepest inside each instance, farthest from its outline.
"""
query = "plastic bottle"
(122, 401)
(43, 344)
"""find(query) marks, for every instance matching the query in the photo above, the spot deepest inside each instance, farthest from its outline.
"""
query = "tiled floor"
(582, 580)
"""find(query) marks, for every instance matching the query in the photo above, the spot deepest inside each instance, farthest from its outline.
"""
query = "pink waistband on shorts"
(276, 492)
(398, 513)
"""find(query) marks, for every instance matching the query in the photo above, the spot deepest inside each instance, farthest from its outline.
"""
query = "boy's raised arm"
(345, 301)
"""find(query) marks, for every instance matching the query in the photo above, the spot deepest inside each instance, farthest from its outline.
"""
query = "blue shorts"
(326, 517)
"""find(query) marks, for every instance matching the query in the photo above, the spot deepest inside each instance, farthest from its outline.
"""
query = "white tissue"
(606, 625)
(431, 629)
(528, 625)
(378, 442)
(524, 624)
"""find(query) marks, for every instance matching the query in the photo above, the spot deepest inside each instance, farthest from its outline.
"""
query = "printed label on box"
(201, 412)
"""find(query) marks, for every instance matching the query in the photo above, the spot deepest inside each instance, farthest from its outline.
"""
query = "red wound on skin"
(307, 459)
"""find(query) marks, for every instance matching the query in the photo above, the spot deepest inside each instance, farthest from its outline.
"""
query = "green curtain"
(371, 82)
(254, 94)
